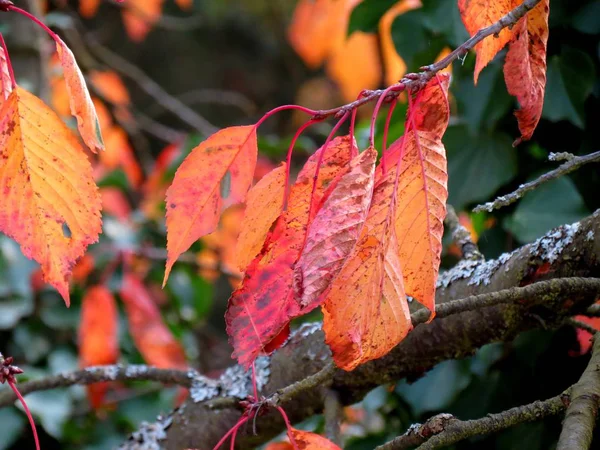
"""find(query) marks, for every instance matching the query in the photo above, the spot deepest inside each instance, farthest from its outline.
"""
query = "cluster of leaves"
(481, 144)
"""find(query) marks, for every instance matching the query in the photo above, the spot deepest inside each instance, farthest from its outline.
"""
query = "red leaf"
(98, 336)
(335, 230)
(150, 334)
(263, 306)
(584, 337)
(217, 174)
(366, 313)
(525, 67)
(6, 86)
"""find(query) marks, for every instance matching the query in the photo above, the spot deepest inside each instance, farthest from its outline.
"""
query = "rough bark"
(568, 251)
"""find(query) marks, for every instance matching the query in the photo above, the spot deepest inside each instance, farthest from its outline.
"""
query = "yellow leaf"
(80, 101)
(394, 65)
(48, 200)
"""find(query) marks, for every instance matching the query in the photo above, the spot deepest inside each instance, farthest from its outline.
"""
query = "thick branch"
(103, 373)
(572, 164)
(444, 429)
(580, 419)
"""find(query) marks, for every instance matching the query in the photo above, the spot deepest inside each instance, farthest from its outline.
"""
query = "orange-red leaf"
(98, 335)
(265, 302)
(366, 312)
(120, 154)
(263, 206)
(305, 440)
(115, 203)
(88, 8)
(81, 103)
(335, 230)
(184, 4)
(152, 338)
(48, 200)
(525, 67)
(478, 14)
(6, 86)
(215, 175)
(395, 67)
(110, 85)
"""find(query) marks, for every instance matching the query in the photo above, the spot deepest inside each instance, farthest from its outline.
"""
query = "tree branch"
(444, 429)
(333, 416)
(572, 164)
(580, 418)
(461, 236)
(97, 374)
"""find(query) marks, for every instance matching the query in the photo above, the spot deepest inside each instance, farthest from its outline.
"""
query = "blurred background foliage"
(231, 61)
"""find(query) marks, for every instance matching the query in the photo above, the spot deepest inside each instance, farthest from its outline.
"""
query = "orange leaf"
(525, 67)
(139, 16)
(422, 191)
(394, 65)
(279, 446)
(6, 86)
(98, 335)
(356, 65)
(115, 203)
(184, 4)
(156, 184)
(88, 8)
(49, 203)
(120, 154)
(305, 440)
(263, 206)
(150, 334)
(81, 103)
(111, 87)
(335, 230)
(477, 14)
(265, 303)
(366, 312)
(584, 337)
(215, 175)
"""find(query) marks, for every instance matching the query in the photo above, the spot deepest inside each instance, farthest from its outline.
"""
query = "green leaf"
(570, 81)
(587, 19)
(443, 17)
(52, 408)
(365, 17)
(555, 203)
(11, 426)
(477, 165)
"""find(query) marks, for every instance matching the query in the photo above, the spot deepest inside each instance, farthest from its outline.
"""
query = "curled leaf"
(80, 101)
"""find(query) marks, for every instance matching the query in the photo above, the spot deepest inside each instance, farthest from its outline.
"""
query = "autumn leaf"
(356, 65)
(120, 154)
(6, 85)
(152, 338)
(305, 440)
(264, 204)
(115, 203)
(98, 336)
(49, 203)
(422, 191)
(394, 65)
(478, 14)
(184, 4)
(111, 87)
(260, 309)
(525, 67)
(139, 16)
(335, 230)
(215, 175)
(88, 8)
(81, 103)
(366, 312)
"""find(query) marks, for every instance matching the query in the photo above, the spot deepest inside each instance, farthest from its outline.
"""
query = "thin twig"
(580, 418)
(593, 310)
(321, 378)
(571, 165)
(582, 325)
(444, 429)
(97, 374)
(461, 236)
